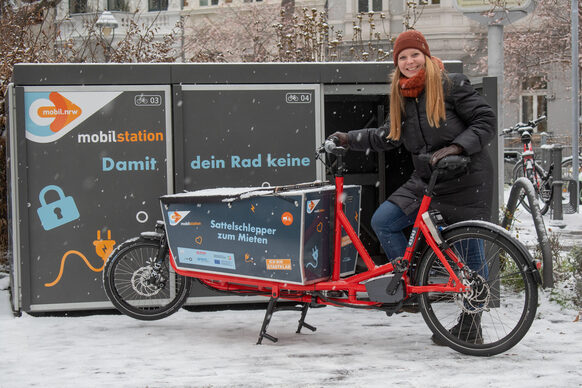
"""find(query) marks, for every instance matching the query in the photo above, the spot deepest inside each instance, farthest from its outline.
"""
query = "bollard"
(556, 161)
(557, 211)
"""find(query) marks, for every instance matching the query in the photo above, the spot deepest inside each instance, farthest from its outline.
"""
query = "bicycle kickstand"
(302, 323)
(272, 308)
(267, 320)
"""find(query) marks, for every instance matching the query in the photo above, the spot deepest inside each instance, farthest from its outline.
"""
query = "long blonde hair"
(435, 101)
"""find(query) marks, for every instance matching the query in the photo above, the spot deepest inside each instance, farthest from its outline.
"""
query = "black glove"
(453, 149)
(342, 137)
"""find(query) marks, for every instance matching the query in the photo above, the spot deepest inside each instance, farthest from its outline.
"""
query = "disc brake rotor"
(140, 283)
(476, 299)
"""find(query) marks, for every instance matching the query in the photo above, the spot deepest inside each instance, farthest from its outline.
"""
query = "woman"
(440, 114)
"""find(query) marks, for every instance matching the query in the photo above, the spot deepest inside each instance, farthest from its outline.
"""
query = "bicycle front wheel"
(129, 284)
(543, 188)
(499, 308)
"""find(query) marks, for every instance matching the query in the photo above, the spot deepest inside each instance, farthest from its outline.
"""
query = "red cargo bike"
(472, 270)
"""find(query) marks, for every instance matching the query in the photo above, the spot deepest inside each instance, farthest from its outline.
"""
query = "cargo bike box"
(276, 234)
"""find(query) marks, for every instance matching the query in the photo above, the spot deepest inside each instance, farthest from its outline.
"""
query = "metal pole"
(575, 102)
(495, 63)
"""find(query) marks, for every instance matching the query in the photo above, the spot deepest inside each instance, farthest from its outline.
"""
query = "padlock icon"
(56, 213)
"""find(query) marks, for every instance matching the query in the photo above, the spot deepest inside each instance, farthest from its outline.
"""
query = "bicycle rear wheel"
(500, 308)
(543, 187)
(127, 283)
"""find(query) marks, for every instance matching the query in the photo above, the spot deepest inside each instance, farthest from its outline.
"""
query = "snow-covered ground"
(351, 348)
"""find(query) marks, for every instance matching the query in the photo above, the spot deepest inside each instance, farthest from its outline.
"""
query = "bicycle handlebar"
(539, 120)
(522, 127)
(446, 168)
(450, 162)
(331, 146)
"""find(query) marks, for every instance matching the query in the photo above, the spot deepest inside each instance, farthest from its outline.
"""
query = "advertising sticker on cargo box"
(282, 237)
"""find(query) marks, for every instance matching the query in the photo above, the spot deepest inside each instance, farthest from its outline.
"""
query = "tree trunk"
(288, 9)
(288, 6)
(287, 12)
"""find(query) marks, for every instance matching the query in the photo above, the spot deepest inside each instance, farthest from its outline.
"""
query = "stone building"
(451, 36)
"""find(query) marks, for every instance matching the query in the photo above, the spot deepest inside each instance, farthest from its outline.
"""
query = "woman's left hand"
(453, 149)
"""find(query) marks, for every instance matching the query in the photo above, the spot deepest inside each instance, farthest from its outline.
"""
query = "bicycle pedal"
(400, 265)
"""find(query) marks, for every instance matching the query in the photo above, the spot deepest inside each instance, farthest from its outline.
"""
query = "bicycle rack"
(525, 185)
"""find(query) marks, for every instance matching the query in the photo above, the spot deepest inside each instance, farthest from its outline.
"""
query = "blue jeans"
(388, 222)
(473, 251)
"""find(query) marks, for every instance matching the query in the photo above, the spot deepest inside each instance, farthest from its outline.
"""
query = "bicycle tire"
(124, 278)
(504, 301)
(544, 195)
(567, 175)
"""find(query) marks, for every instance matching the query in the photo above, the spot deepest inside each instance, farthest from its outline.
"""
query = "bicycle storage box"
(261, 233)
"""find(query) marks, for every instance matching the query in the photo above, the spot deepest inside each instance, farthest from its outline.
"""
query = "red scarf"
(412, 87)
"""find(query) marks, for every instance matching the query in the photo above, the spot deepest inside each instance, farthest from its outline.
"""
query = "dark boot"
(468, 329)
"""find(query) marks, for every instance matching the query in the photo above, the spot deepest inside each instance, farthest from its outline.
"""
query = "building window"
(533, 100)
(369, 5)
(206, 3)
(116, 5)
(77, 6)
(252, 1)
(428, 2)
(158, 5)
(532, 107)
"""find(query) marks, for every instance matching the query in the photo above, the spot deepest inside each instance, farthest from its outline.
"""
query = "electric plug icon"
(315, 255)
(103, 248)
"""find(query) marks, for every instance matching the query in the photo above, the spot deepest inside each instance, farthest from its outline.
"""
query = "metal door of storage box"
(248, 135)
(95, 161)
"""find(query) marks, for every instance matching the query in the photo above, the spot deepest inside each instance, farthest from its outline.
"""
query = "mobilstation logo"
(51, 115)
(57, 112)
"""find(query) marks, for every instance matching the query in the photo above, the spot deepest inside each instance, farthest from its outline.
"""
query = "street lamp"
(107, 25)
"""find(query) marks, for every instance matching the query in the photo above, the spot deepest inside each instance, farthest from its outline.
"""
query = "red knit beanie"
(410, 39)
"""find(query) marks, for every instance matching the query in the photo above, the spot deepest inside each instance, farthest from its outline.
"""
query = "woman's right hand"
(342, 138)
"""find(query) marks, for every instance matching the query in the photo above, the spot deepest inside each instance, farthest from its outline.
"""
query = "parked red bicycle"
(473, 270)
(528, 167)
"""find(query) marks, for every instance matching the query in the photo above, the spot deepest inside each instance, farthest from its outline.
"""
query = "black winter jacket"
(470, 123)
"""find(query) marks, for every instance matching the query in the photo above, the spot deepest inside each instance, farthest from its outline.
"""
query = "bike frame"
(528, 158)
(353, 284)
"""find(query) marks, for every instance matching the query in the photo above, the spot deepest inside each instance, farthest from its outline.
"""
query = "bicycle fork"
(156, 277)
